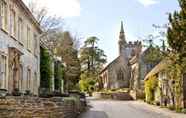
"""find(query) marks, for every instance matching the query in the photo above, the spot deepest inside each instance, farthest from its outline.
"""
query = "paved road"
(120, 109)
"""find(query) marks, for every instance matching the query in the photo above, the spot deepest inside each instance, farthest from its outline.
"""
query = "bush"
(178, 110)
(184, 111)
(150, 87)
(45, 68)
(16, 92)
(171, 107)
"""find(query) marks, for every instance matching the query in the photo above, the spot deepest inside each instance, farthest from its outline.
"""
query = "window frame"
(4, 15)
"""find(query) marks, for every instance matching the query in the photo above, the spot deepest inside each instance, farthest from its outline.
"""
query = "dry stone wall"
(32, 107)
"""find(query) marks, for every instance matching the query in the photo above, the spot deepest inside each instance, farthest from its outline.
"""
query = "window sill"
(13, 37)
(21, 43)
(29, 50)
(5, 31)
(36, 56)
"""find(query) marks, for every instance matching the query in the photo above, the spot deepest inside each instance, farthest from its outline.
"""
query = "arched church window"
(120, 75)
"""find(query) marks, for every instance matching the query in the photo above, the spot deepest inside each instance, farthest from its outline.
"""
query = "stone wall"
(30, 107)
(114, 95)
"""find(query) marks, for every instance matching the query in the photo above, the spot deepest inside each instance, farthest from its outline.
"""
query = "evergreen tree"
(177, 30)
(176, 35)
(45, 69)
(92, 58)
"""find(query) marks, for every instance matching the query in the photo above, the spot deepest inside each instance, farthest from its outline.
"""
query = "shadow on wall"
(94, 114)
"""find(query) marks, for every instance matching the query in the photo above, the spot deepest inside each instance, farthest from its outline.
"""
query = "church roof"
(105, 68)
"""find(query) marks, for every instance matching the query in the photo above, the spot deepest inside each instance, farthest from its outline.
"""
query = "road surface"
(120, 109)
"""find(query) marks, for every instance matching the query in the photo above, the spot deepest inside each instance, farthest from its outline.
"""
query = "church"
(117, 74)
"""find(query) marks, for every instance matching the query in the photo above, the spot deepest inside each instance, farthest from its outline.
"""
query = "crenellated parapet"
(134, 44)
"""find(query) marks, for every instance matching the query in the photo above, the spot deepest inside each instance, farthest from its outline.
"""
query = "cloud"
(63, 8)
(148, 2)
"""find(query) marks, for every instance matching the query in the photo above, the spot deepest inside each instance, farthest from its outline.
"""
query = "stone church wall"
(114, 81)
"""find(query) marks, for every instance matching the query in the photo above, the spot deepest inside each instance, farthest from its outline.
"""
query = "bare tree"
(51, 25)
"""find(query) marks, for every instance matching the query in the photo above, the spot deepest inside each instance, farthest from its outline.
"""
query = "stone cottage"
(19, 48)
(162, 93)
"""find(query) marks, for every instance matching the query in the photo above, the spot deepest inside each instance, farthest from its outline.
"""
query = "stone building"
(19, 48)
(135, 64)
(117, 74)
(163, 93)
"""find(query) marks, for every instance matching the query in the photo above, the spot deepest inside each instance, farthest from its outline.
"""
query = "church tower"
(122, 41)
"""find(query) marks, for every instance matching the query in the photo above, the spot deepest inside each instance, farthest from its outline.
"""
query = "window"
(28, 78)
(21, 78)
(2, 71)
(35, 45)
(120, 75)
(28, 38)
(35, 83)
(13, 22)
(4, 15)
(20, 30)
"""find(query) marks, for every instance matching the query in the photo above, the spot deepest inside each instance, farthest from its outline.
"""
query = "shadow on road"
(94, 114)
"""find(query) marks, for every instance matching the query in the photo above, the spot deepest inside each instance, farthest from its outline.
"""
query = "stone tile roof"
(158, 68)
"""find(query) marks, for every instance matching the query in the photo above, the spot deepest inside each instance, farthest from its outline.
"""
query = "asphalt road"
(120, 109)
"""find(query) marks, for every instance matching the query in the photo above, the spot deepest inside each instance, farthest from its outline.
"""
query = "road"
(120, 109)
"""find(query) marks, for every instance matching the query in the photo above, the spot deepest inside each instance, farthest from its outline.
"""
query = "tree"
(50, 24)
(45, 69)
(153, 55)
(69, 56)
(176, 36)
(58, 75)
(92, 58)
(177, 29)
(47, 22)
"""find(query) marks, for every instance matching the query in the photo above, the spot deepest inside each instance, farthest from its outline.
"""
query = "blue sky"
(102, 18)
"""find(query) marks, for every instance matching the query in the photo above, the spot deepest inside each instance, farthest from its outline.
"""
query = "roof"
(109, 64)
(158, 68)
(29, 13)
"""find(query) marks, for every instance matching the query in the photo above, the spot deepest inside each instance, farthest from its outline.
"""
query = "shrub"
(45, 68)
(184, 111)
(171, 107)
(150, 87)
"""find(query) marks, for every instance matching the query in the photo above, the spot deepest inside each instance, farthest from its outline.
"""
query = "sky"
(102, 18)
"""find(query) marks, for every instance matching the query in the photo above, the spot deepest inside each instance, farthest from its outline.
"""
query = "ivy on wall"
(45, 68)
(58, 75)
(150, 87)
(175, 72)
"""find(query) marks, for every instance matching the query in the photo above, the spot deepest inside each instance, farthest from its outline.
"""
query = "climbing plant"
(58, 75)
(150, 86)
(45, 68)
(175, 71)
